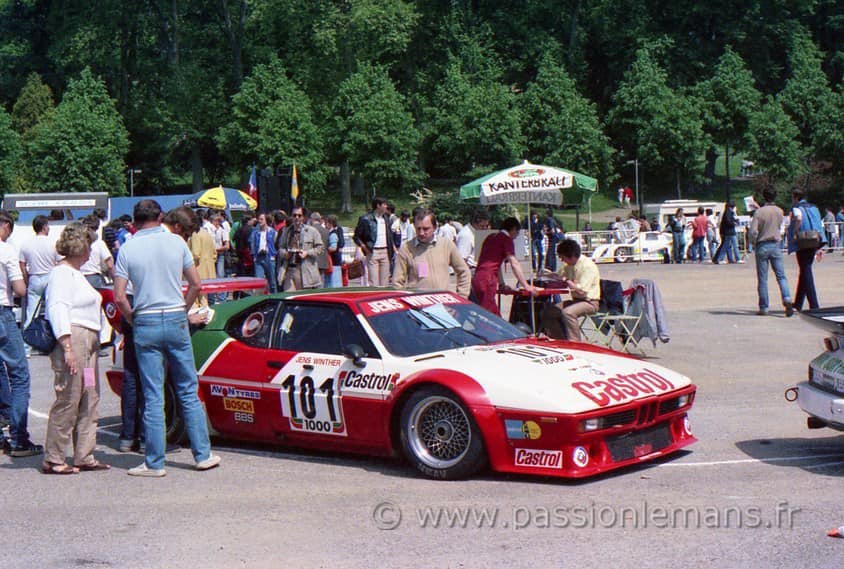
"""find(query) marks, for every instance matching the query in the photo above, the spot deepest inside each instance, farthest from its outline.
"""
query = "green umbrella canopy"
(529, 183)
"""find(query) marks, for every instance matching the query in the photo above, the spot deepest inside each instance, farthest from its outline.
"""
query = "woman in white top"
(73, 308)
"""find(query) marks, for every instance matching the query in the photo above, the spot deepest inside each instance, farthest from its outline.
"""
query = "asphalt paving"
(758, 490)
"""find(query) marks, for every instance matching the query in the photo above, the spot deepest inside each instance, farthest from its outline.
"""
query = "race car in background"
(434, 378)
(624, 243)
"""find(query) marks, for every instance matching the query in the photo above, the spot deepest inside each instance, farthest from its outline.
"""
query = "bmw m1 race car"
(435, 378)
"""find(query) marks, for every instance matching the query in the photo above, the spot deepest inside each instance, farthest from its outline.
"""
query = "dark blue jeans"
(806, 280)
(265, 268)
(551, 255)
(13, 355)
(679, 246)
(5, 394)
(537, 254)
(131, 396)
(698, 249)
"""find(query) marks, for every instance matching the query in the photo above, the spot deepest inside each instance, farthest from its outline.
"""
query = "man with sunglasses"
(299, 247)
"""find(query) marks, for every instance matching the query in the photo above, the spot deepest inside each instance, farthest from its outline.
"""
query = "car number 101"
(310, 407)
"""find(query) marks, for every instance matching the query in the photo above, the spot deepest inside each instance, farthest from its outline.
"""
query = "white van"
(73, 207)
(663, 211)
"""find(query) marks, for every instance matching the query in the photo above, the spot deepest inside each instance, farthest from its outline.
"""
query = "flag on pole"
(252, 190)
(294, 185)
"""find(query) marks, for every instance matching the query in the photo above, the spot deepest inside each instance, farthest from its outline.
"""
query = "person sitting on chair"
(581, 276)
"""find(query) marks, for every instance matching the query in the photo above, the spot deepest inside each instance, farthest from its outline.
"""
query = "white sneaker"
(143, 470)
(210, 462)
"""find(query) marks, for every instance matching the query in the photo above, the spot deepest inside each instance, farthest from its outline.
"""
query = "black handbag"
(39, 333)
(807, 240)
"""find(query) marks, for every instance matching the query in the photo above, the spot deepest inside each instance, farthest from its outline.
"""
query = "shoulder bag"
(810, 238)
(39, 333)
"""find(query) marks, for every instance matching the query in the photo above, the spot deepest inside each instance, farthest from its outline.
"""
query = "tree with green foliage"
(807, 96)
(34, 103)
(829, 142)
(730, 98)
(11, 152)
(273, 125)
(473, 123)
(32, 110)
(83, 147)
(561, 126)
(655, 124)
(774, 142)
(373, 132)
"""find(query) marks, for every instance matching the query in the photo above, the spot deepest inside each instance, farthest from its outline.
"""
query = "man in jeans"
(12, 354)
(765, 231)
(155, 261)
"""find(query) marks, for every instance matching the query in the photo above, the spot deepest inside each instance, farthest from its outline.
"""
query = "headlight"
(832, 343)
(682, 401)
(592, 424)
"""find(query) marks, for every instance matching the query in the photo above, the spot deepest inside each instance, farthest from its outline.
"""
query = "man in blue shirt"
(154, 261)
(262, 247)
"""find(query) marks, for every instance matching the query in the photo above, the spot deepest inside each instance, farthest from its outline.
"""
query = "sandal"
(50, 468)
(96, 465)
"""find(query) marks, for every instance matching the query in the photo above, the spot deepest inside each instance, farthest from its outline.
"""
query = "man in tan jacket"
(423, 263)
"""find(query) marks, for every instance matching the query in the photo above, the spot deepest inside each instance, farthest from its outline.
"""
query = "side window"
(324, 329)
(254, 326)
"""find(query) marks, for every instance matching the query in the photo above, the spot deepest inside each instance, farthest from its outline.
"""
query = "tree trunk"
(174, 28)
(677, 177)
(709, 169)
(573, 33)
(234, 34)
(345, 187)
(196, 167)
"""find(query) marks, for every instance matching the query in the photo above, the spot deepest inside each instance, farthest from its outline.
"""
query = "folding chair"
(613, 324)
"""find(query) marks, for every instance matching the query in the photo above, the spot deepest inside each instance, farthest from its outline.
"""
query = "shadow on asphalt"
(399, 468)
(820, 456)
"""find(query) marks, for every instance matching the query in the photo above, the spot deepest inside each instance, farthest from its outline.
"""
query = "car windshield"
(439, 327)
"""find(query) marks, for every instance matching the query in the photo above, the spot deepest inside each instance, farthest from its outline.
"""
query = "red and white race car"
(433, 377)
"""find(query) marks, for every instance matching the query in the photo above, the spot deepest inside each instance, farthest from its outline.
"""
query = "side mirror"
(355, 353)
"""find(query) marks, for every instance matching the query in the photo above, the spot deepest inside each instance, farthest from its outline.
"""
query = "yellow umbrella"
(225, 198)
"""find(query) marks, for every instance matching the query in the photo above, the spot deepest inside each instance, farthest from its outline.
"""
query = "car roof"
(352, 297)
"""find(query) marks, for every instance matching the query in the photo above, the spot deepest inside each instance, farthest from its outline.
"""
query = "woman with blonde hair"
(73, 308)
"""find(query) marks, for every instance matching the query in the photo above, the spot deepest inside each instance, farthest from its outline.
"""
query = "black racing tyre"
(439, 436)
(174, 422)
(623, 255)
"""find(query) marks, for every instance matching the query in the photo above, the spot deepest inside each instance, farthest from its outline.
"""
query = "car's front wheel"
(439, 435)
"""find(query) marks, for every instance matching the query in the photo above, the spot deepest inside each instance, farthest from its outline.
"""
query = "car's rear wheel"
(174, 422)
(623, 255)
(439, 435)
